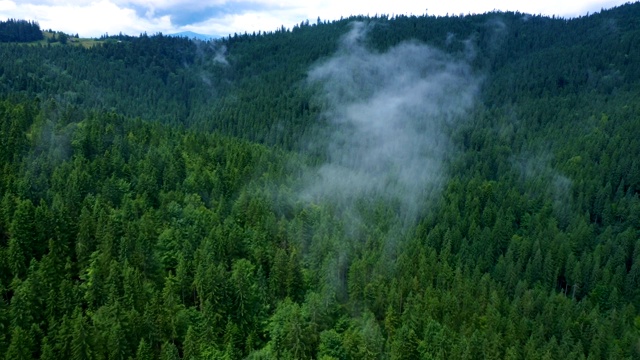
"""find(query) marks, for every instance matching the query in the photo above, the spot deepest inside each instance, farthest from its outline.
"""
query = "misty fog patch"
(387, 113)
(540, 177)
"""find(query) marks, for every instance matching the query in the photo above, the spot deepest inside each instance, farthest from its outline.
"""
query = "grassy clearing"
(49, 36)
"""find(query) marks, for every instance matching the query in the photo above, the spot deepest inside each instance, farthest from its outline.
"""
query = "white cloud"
(239, 23)
(96, 17)
(89, 18)
(545, 7)
(6, 5)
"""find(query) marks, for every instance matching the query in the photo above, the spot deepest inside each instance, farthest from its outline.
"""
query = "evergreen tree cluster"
(14, 30)
(153, 206)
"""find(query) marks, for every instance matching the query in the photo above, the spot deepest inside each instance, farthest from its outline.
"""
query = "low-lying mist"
(387, 113)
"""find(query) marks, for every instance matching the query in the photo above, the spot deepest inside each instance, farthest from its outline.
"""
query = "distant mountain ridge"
(193, 35)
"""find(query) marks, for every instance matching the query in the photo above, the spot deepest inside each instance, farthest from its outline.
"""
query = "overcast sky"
(92, 18)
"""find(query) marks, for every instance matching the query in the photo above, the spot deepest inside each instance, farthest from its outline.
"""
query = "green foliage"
(21, 346)
(289, 332)
(144, 351)
(14, 30)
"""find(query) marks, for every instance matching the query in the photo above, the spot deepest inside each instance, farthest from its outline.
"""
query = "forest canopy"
(378, 187)
(14, 30)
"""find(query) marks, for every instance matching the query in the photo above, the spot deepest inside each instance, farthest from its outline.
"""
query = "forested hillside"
(461, 187)
(14, 30)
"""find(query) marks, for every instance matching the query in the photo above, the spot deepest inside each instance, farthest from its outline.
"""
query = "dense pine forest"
(408, 187)
(14, 30)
